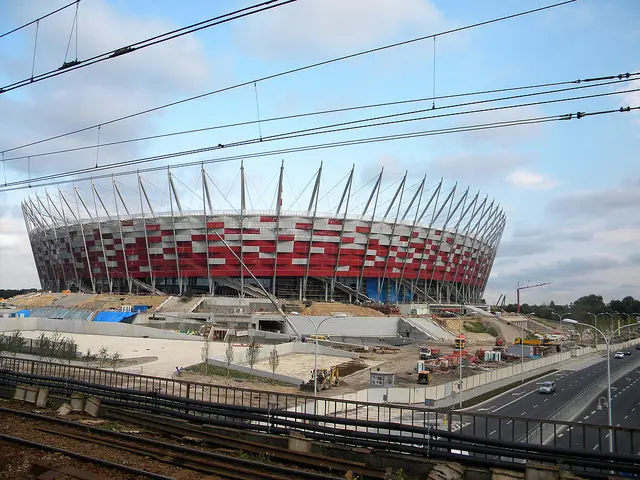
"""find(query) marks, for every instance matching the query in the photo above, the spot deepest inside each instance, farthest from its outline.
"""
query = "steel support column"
(104, 251)
(205, 197)
(84, 239)
(142, 191)
(172, 193)
(376, 192)
(116, 193)
(400, 190)
(312, 203)
(346, 194)
(66, 224)
(277, 229)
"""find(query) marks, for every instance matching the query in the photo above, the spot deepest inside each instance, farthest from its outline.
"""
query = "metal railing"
(514, 429)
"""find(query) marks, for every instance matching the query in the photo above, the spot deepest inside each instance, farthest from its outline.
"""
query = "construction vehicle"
(427, 353)
(425, 377)
(327, 378)
(538, 342)
(460, 342)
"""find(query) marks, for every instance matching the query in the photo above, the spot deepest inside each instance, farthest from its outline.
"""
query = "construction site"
(408, 344)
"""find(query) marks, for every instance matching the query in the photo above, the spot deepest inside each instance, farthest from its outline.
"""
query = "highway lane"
(520, 407)
(625, 414)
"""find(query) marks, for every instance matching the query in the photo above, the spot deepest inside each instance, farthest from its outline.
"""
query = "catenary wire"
(357, 141)
(621, 78)
(303, 133)
(77, 64)
(39, 18)
(291, 71)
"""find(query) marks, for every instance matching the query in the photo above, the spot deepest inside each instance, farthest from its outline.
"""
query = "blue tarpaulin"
(139, 308)
(114, 317)
(21, 313)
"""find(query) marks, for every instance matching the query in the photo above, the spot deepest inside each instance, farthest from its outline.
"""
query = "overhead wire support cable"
(357, 141)
(77, 64)
(622, 78)
(311, 132)
(294, 70)
(39, 18)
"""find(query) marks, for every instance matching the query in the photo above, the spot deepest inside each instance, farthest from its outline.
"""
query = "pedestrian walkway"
(577, 363)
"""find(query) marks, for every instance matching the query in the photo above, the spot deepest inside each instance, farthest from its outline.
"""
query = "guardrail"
(420, 440)
(514, 429)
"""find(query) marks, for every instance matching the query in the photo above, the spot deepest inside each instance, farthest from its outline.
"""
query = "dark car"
(637, 347)
(627, 352)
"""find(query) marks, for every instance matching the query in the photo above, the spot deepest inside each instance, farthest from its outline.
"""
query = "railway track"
(214, 463)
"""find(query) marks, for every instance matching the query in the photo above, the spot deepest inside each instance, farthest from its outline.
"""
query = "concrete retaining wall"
(239, 355)
(258, 373)
(90, 328)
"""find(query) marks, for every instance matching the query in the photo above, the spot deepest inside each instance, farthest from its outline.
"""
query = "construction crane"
(524, 287)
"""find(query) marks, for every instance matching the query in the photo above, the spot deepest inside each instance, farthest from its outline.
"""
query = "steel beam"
(376, 191)
(277, 230)
(314, 202)
(84, 239)
(104, 251)
(141, 190)
(450, 215)
(116, 193)
(173, 227)
(419, 193)
(466, 233)
(399, 191)
(345, 194)
(243, 210)
(66, 224)
(205, 197)
(455, 237)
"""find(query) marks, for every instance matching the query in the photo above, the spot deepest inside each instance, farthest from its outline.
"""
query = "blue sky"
(570, 189)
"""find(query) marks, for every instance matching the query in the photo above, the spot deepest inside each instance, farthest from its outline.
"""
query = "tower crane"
(524, 287)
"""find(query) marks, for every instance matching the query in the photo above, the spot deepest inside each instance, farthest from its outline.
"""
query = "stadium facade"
(426, 245)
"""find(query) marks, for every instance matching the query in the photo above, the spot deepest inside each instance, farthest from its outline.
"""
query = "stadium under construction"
(423, 244)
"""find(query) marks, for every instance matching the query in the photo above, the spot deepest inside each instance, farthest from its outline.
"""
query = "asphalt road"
(519, 408)
(625, 414)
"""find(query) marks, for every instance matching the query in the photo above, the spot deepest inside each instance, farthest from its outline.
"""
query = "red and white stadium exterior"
(446, 257)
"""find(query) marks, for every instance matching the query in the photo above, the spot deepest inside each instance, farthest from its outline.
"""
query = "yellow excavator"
(327, 378)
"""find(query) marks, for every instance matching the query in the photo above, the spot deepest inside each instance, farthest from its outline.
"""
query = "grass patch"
(481, 327)
(214, 371)
(493, 393)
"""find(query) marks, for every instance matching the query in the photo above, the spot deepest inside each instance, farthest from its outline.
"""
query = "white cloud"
(531, 180)
(475, 167)
(336, 26)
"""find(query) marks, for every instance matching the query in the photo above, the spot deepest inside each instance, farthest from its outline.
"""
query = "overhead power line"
(615, 79)
(38, 19)
(41, 181)
(342, 127)
(77, 64)
(291, 71)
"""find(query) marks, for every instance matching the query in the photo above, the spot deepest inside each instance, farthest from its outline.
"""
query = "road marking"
(522, 413)
(509, 422)
(491, 433)
(546, 399)
(606, 436)
(626, 416)
(535, 406)
(597, 445)
(586, 417)
(633, 409)
(618, 425)
(560, 435)
(483, 409)
(512, 401)
(593, 412)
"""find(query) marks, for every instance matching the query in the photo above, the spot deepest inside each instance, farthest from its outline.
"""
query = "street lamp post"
(459, 355)
(315, 347)
(607, 342)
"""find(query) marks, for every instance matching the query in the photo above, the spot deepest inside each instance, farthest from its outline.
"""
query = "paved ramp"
(429, 328)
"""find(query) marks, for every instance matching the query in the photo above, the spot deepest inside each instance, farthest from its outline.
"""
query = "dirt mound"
(42, 300)
(328, 308)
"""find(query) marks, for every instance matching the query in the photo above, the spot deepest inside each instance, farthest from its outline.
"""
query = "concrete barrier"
(90, 328)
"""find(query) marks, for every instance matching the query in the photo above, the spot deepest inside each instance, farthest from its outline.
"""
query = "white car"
(619, 355)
